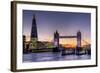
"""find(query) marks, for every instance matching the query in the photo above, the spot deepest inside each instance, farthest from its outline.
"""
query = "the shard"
(34, 29)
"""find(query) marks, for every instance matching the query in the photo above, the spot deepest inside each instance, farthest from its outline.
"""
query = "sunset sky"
(67, 23)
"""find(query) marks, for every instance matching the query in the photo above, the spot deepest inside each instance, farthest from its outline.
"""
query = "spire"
(33, 17)
(56, 32)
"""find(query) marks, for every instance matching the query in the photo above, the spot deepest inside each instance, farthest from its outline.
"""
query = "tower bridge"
(78, 50)
(57, 37)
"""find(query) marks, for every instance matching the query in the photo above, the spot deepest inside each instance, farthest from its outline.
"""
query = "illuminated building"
(34, 37)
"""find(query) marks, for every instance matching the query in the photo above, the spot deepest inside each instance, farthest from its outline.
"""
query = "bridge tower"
(78, 39)
(56, 39)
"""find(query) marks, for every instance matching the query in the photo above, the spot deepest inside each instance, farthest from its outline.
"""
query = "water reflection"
(50, 56)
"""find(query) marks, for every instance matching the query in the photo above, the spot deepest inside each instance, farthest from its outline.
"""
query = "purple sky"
(67, 23)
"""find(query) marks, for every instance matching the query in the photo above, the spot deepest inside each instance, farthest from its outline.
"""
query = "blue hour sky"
(67, 23)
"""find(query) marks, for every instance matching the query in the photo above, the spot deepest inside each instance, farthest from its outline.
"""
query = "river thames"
(52, 56)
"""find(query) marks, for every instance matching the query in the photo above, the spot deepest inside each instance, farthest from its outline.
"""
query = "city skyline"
(67, 23)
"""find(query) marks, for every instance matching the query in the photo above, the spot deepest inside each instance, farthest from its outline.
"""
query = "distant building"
(25, 44)
(34, 36)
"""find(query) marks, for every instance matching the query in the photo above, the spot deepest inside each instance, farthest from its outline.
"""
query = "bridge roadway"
(67, 36)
